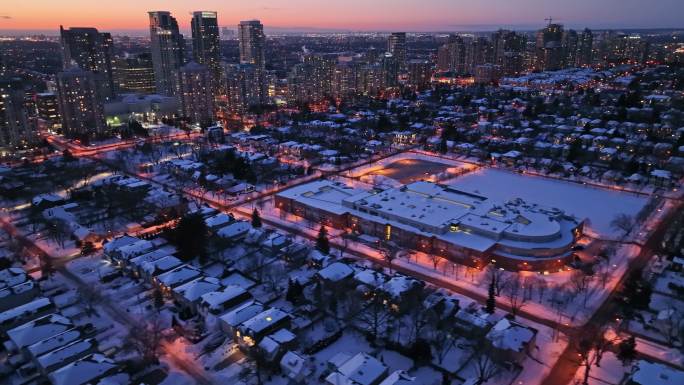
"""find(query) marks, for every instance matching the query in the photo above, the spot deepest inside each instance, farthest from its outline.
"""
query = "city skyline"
(366, 192)
(409, 15)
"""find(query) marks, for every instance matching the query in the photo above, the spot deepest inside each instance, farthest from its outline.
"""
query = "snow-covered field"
(600, 206)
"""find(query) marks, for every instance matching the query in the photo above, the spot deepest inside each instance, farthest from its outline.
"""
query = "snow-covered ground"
(611, 372)
(575, 311)
(599, 205)
(379, 165)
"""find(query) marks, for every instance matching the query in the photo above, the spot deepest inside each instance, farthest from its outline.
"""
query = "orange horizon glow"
(411, 15)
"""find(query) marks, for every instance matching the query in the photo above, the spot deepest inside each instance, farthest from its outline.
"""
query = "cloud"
(6, 17)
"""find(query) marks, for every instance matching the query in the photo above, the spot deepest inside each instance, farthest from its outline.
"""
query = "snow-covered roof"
(649, 373)
(52, 198)
(134, 249)
(370, 278)
(509, 335)
(473, 318)
(293, 364)
(193, 290)
(12, 276)
(152, 256)
(24, 310)
(663, 174)
(238, 279)
(218, 220)
(271, 343)
(398, 285)
(119, 242)
(65, 354)
(361, 369)
(398, 377)
(39, 329)
(243, 313)
(83, 371)
(323, 193)
(234, 230)
(161, 265)
(467, 219)
(214, 299)
(179, 276)
(264, 320)
(336, 272)
(54, 342)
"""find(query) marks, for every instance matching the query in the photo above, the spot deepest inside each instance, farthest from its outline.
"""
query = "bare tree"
(90, 299)
(350, 305)
(530, 283)
(442, 342)
(147, 339)
(580, 283)
(255, 263)
(514, 292)
(604, 274)
(669, 321)
(590, 349)
(541, 286)
(374, 317)
(257, 369)
(419, 319)
(496, 275)
(485, 367)
(558, 301)
(622, 222)
(456, 268)
(58, 231)
(389, 252)
(345, 244)
(435, 259)
(273, 275)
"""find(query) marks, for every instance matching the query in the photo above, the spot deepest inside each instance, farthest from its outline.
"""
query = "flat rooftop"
(465, 218)
(410, 170)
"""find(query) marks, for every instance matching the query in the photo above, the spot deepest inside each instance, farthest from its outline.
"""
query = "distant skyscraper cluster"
(90, 50)
(205, 87)
(345, 75)
(13, 117)
(196, 93)
(168, 50)
(503, 53)
(135, 74)
(80, 105)
(396, 45)
(206, 47)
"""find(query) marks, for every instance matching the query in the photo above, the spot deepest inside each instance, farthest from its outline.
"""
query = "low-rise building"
(511, 341)
(465, 227)
(649, 373)
(360, 369)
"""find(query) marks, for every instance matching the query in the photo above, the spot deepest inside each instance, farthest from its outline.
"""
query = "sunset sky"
(367, 15)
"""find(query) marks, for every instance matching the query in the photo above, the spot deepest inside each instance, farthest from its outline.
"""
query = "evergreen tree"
(88, 248)
(289, 295)
(491, 300)
(443, 147)
(256, 219)
(158, 299)
(190, 236)
(636, 293)
(322, 243)
(575, 150)
(294, 291)
(627, 350)
(68, 156)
